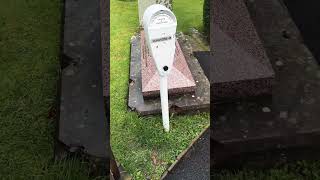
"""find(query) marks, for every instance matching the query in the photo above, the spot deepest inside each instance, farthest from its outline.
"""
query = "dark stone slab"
(307, 18)
(205, 61)
(285, 127)
(82, 124)
(105, 45)
(240, 67)
(199, 101)
(180, 80)
(195, 164)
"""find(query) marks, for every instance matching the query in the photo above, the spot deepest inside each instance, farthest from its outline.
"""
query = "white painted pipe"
(164, 102)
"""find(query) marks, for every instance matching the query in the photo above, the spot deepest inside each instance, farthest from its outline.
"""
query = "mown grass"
(29, 52)
(29, 62)
(139, 143)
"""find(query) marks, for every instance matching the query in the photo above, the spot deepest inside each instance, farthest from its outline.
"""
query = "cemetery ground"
(29, 63)
(140, 143)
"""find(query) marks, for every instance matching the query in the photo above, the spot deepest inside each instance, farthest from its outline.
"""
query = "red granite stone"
(180, 79)
(240, 65)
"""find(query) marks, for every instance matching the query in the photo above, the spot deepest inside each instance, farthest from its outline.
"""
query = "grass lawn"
(139, 143)
(29, 61)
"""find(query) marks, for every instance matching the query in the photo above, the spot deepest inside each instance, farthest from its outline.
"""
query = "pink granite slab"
(240, 67)
(180, 79)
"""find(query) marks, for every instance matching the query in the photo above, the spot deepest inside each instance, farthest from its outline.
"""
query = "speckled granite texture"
(240, 67)
(180, 79)
(285, 128)
(105, 21)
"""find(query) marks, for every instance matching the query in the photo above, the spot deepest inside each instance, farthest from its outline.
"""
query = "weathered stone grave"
(82, 117)
(188, 93)
(264, 131)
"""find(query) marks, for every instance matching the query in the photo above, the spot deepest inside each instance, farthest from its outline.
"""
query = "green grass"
(139, 143)
(29, 49)
(189, 14)
(29, 61)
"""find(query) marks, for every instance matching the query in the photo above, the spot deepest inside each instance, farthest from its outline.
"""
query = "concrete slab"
(82, 123)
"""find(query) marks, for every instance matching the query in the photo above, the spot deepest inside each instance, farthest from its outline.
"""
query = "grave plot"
(188, 89)
(139, 143)
(268, 130)
(82, 122)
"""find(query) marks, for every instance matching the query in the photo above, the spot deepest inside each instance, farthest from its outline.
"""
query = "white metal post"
(164, 102)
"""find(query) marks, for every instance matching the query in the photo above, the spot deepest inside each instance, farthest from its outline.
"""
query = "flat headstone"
(240, 67)
(82, 125)
(180, 79)
(184, 103)
(144, 4)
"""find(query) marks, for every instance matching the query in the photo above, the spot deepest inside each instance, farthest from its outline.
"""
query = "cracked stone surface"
(82, 117)
(292, 126)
